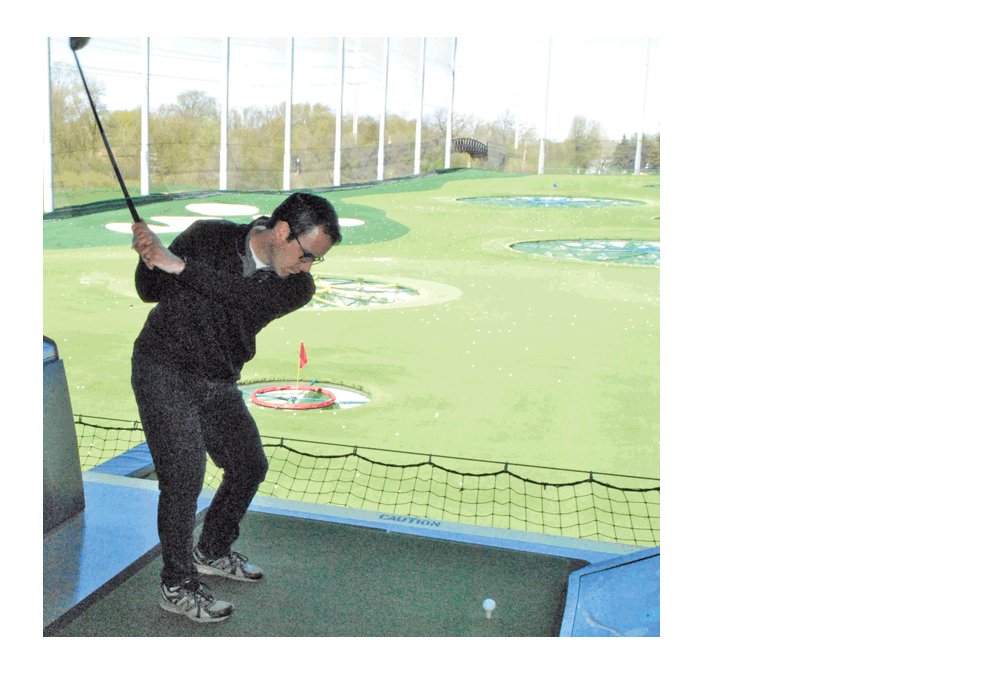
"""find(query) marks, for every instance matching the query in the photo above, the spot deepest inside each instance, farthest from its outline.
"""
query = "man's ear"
(283, 230)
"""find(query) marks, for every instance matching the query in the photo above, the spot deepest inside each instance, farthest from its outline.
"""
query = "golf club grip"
(113, 161)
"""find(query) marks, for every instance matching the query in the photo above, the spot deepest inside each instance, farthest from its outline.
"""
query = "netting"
(609, 507)
(101, 439)
(219, 115)
(626, 251)
(549, 202)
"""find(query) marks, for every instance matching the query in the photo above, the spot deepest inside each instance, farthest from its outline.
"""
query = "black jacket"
(207, 317)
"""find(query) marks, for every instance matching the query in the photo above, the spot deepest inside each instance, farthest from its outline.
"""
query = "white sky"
(603, 79)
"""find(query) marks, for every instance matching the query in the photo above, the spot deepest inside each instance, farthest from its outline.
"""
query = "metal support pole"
(381, 122)
(419, 117)
(642, 124)
(450, 113)
(145, 108)
(546, 110)
(48, 168)
(224, 106)
(340, 116)
(287, 157)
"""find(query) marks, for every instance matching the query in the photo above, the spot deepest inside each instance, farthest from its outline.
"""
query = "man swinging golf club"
(216, 286)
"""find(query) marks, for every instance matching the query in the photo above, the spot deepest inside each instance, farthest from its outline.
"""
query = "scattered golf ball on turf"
(489, 607)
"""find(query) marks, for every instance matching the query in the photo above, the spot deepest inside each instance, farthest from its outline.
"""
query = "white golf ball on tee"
(489, 607)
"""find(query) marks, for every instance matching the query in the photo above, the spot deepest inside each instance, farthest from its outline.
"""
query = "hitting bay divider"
(566, 502)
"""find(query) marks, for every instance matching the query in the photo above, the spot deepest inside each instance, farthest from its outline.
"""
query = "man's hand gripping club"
(153, 252)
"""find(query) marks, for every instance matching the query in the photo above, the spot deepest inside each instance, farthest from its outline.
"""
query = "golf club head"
(77, 43)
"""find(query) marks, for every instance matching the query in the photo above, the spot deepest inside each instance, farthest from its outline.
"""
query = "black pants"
(185, 419)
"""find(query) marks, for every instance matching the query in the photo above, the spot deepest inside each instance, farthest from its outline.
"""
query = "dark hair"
(303, 211)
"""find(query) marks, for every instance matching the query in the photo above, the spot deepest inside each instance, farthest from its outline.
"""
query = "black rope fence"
(602, 506)
(101, 439)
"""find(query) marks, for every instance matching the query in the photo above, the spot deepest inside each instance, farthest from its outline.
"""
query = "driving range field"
(461, 346)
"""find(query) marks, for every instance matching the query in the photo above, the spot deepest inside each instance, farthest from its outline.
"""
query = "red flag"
(302, 355)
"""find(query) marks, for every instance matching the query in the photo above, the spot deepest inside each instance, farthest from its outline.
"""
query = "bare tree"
(464, 124)
(502, 131)
(73, 126)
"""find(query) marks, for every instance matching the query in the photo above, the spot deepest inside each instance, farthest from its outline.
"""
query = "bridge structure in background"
(488, 152)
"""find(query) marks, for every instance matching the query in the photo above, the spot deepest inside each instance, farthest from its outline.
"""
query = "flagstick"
(302, 362)
(303, 395)
(302, 350)
(298, 395)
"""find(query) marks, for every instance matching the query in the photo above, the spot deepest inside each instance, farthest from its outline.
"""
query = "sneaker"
(194, 600)
(233, 566)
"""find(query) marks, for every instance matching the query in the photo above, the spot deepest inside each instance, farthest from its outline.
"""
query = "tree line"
(184, 143)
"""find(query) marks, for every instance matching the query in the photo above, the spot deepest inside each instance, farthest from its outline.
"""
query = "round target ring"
(293, 397)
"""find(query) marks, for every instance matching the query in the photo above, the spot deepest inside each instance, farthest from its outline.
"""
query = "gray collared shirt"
(249, 259)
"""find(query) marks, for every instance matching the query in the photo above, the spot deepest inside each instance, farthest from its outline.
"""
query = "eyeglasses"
(308, 257)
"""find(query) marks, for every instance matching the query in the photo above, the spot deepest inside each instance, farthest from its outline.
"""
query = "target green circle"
(293, 397)
(622, 251)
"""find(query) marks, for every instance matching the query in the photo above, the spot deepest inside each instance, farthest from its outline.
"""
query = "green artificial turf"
(538, 361)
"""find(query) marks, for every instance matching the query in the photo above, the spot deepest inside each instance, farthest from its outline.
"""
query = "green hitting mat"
(330, 579)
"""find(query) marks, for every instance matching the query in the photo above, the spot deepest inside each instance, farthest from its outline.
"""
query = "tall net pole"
(357, 84)
(419, 117)
(287, 156)
(546, 110)
(48, 185)
(340, 114)
(450, 112)
(381, 123)
(145, 107)
(642, 124)
(224, 108)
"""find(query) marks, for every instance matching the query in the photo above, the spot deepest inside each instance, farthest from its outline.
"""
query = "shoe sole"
(169, 607)
(213, 571)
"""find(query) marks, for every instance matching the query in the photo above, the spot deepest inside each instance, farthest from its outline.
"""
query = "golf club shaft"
(116, 170)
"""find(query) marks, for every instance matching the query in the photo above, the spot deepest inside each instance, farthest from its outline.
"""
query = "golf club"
(77, 43)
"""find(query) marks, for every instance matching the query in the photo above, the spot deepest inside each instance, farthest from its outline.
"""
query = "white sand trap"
(172, 224)
(125, 228)
(223, 209)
